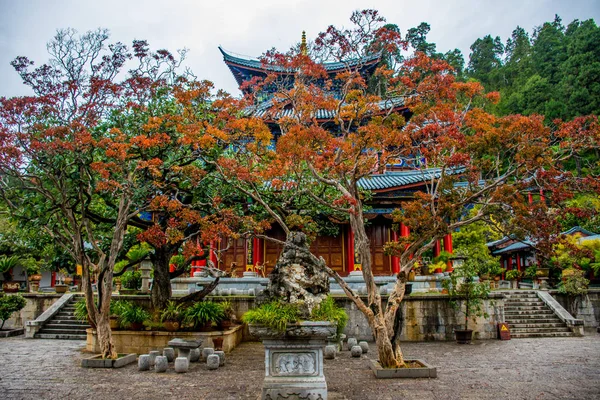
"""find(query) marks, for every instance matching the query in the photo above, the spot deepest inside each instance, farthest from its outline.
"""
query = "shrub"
(132, 280)
(130, 313)
(172, 312)
(203, 312)
(328, 310)
(512, 275)
(275, 315)
(574, 283)
(9, 305)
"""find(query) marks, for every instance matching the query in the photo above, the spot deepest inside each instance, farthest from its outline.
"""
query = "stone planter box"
(294, 360)
(12, 332)
(142, 342)
(98, 362)
(426, 371)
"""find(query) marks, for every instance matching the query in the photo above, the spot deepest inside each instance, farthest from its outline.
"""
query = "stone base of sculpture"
(294, 360)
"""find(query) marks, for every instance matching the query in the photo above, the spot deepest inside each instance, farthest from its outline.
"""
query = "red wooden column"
(350, 249)
(542, 199)
(405, 232)
(448, 248)
(530, 198)
(518, 263)
(257, 251)
(437, 248)
(395, 259)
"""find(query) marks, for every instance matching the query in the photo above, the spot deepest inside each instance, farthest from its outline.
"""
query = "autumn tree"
(472, 158)
(66, 159)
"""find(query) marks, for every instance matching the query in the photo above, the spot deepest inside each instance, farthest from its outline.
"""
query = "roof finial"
(303, 48)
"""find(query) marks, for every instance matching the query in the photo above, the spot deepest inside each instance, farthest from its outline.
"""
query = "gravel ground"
(549, 368)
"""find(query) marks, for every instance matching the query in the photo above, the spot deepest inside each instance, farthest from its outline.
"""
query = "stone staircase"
(529, 317)
(64, 325)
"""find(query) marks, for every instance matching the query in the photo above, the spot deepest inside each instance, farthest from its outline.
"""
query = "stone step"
(77, 331)
(67, 321)
(521, 303)
(559, 324)
(538, 335)
(60, 336)
(65, 317)
(528, 312)
(521, 296)
(513, 321)
(539, 330)
(53, 325)
(525, 308)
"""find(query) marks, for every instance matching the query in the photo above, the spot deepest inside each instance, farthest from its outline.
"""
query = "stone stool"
(144, 362)
(352, 342)
(213, 361)
(364, 346)
(161, 363)
(207, 351)
(194, 355)
(169, 352)
(329, 352)
(221, 355)
(356, 351)
(182, 364)
(153, 355)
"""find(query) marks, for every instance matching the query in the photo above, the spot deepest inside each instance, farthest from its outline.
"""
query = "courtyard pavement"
(548, 368)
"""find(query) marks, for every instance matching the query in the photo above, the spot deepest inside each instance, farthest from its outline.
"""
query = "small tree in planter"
(9, 305)
(512, 276)
(467, 296)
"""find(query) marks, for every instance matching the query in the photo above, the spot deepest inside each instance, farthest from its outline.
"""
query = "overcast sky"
(251, 27)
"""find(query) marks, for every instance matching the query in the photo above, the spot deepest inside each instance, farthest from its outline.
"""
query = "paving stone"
(545, 368)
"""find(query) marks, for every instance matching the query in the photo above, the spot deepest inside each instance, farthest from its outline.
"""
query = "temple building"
(397, 183)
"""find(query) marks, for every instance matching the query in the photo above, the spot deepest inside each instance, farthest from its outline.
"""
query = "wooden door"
(378, 233)
(236, 253)
(331, 248)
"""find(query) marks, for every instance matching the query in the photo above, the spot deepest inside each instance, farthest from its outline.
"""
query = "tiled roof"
(578, 229)
(403, 178)
(262, 110)
(513, 247)
(329, 66)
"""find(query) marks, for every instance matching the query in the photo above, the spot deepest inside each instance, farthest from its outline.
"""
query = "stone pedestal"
(294, 360)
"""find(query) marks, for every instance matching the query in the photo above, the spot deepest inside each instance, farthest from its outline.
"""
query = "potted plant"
(466, 296)
(171, 316)
(228, 315)
(132, 316)
(34, 275)
(512, 276)
(10, 305)
(202, 314)
(6, 268)
(131, 282)
(531, 273)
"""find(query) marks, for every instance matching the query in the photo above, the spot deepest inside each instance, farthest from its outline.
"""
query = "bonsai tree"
(9, 305)
(465, 292)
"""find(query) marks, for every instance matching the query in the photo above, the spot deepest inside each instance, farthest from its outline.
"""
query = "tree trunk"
(386, 338)
(161, 284)
(104, 336)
